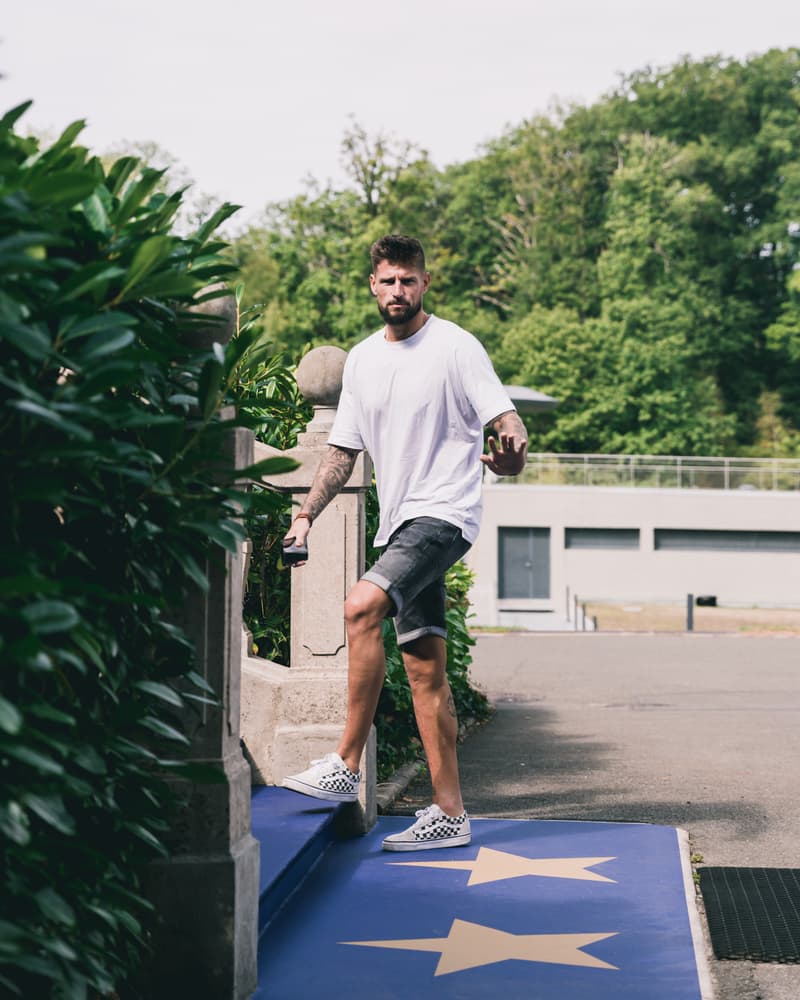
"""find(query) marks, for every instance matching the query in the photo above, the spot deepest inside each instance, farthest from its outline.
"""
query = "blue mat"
(531, 909)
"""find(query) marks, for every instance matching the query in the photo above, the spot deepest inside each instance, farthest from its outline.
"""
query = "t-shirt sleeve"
(345, 432)
(479, 381)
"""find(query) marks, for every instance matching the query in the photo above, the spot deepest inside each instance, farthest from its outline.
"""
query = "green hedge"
(109, 420)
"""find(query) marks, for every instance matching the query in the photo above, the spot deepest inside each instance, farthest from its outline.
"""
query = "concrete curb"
(389, 791)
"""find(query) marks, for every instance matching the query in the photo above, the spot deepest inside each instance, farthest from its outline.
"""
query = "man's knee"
(425, 660)
(366, 606)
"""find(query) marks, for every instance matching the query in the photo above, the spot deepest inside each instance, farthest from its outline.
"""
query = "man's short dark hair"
(397, 250)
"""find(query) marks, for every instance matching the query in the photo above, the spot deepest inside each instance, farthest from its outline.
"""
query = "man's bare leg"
(425, 661)
(364, 610)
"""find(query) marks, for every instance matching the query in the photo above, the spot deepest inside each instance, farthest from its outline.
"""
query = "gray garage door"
(524, 569)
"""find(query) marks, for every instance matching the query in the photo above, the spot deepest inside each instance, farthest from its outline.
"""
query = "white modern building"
(636, 529)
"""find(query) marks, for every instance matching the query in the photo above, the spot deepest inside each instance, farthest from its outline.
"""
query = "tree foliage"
(652, 238)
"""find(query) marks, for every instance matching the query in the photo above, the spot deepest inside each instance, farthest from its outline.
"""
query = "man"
(416, 395)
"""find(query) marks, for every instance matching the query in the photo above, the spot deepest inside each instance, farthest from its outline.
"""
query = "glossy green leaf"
(105, 915)
(112, 374)
(130, 922)
(94, 278)
(103, 343)
(10, 118)
(12, 989)
(274, 466)
(149, 255)
(149, 838)
(39, 761)
(161, 728)
(14, 823)
(95, 211)
(223, 213)
(51, 417)
(238, 347)
(39, 966)
(120, 172)
(135, 195)
(199, 681)
(10, 717)
(208, 388)
(51, 810)
(108, 321)
(67, 137)
(169, 285)
(90, 760)
(31, 340)
(48, 616)
(61, 189)
(59, 947)
(43, 710)
(226, 535)
(162, 691)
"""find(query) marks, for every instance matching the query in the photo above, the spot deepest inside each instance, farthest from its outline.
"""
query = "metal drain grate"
(753, 913)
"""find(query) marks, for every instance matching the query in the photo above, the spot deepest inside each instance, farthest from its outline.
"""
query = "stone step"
(293, 832)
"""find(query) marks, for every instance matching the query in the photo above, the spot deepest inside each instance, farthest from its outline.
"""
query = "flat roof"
(529, 400)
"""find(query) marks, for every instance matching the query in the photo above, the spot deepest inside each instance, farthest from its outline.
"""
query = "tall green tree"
(675, 198)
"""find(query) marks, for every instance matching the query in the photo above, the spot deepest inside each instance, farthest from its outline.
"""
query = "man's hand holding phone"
(295, 543)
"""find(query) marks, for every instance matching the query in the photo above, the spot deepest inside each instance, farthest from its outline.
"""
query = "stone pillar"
(206, 892)
(293, 714)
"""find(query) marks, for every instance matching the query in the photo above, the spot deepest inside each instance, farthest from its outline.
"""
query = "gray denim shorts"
(411, 571)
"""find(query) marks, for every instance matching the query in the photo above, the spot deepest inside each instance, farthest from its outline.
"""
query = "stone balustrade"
(291, 714)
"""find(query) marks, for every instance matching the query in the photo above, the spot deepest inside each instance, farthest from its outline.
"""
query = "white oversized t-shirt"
(419, 406)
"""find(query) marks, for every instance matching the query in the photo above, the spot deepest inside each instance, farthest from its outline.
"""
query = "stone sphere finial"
(319, 375)
(213, 320)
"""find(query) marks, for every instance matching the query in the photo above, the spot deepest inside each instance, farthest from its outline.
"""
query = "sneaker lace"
(328, 758)
(426, 812)
(332, 758)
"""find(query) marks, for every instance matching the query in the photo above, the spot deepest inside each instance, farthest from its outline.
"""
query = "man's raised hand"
(507, 451)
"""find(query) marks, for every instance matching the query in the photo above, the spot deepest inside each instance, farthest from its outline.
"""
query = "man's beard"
(402, 317)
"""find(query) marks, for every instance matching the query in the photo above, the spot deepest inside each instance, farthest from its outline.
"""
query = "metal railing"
(660, 472)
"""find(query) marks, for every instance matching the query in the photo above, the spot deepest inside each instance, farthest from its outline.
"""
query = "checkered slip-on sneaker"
(433, 828)
(328, 778)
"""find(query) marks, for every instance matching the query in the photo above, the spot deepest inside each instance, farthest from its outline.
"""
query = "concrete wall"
(646, 574)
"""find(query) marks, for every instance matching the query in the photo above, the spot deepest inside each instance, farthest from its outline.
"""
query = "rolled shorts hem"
(387, 586)
(417, 633)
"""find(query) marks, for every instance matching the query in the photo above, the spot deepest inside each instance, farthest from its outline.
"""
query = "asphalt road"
(695, 731)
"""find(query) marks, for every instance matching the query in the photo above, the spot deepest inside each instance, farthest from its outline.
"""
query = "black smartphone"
(293, 553)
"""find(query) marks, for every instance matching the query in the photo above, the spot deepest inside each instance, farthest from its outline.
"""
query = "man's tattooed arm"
(334, 470)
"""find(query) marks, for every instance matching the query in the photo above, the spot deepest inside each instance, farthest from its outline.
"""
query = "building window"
(601, 538)
(727, 541)
(524, 556)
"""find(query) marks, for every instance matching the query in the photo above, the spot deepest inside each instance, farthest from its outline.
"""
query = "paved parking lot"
(696, 731)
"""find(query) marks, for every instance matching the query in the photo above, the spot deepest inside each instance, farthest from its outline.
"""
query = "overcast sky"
(253, 96)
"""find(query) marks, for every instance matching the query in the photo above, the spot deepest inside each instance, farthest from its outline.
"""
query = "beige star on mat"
(494, 866)
(469, 945)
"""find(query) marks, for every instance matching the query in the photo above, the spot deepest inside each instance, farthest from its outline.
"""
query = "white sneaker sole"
(427, 845)
(318, 793)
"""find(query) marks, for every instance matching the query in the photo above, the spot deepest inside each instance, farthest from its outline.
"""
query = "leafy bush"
(268, 399)
(110, 421)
